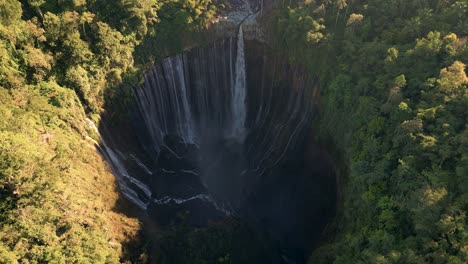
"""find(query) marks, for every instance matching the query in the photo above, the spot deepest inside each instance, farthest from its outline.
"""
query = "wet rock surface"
(276, 180)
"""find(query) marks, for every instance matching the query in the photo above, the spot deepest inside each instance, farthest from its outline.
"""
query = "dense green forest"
(393, 107)
(59, 61)
(394, 102)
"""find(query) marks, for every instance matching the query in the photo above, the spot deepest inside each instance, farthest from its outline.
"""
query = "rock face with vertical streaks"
(223, 131)
(244, 116)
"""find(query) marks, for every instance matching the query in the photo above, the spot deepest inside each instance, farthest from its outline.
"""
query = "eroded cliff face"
(225, 131)
(181, 154)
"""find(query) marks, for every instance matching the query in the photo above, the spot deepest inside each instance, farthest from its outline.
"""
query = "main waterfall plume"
(239, 111)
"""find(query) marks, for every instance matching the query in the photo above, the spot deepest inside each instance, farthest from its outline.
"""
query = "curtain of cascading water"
(219, 131)
(200, 101)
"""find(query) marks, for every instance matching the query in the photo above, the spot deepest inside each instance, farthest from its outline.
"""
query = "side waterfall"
(134, 190)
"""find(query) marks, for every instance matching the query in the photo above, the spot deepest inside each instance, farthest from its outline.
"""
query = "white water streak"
(204, 197)
(122, 175)
(141, 164)
(187, 121)
(239, 92)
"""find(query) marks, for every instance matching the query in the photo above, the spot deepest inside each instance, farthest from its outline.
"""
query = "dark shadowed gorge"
(187, 154)
(233, 131)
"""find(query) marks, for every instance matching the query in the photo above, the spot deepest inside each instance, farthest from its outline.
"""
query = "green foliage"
(10, 11)
(49, 212)
(394, 101)
(227, 242)
(185, 17)
(452, 79)
(58, 60)
(394, 97)
(301, 28)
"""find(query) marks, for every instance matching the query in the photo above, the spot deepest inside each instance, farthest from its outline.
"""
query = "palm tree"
(340, 4)
(324, 5)
(36, 4)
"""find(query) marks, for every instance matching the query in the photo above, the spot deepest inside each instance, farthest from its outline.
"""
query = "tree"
(10, 12)
(340, 5)
(36, 4)
(452, 79)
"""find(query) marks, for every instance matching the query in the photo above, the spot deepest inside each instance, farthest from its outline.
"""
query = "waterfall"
(206, 118)
(239, 111)
(134, 190)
